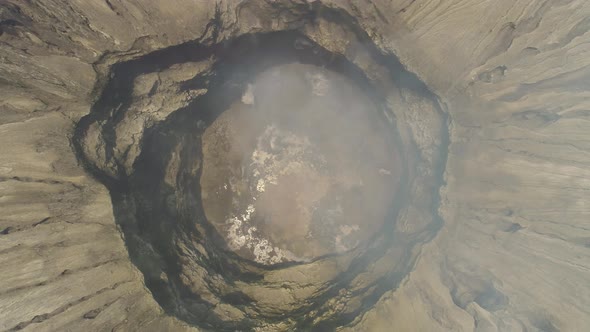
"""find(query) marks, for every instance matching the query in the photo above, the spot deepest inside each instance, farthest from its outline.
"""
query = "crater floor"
(300, 167)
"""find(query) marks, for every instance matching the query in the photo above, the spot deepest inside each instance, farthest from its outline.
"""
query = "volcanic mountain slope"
(493, 95)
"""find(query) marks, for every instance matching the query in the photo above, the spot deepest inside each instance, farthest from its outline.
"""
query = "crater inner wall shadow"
(158, 220)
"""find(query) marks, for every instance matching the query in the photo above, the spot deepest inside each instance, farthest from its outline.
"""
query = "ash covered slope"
(514, 248)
